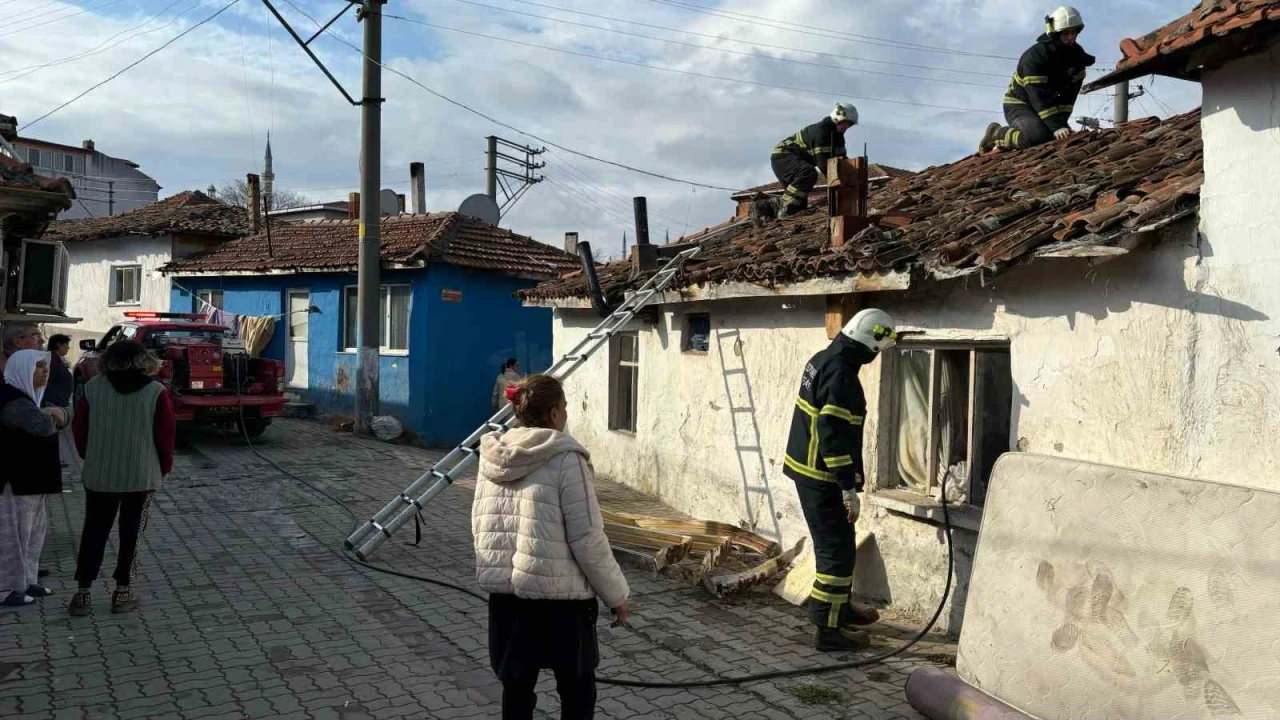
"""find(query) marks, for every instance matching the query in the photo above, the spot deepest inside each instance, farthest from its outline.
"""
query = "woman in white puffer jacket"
(542, 554)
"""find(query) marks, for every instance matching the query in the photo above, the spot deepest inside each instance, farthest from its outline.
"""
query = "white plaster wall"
(90, 276)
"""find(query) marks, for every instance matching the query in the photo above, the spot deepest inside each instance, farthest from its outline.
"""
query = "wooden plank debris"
(721, 585)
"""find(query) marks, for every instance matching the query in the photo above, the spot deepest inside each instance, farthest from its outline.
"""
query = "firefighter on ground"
(1044, 88)
(795, 158)
(824, 458)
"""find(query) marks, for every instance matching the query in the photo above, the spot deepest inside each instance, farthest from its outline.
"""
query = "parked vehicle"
(206, 368)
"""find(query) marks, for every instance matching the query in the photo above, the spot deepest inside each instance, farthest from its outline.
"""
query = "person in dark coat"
(29, 445)
(824, 458)
(1043, 92)
(800, 159)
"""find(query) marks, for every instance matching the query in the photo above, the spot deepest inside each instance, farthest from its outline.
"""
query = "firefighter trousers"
(798, 177)
(833, 551)
(1025, 129)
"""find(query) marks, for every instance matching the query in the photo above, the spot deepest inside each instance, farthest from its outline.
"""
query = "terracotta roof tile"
(448, 238)
(1167, 50)
(875, 172)
(980, 212)
(18, 175)
(189, 212)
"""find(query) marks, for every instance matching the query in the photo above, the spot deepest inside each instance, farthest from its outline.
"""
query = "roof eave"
(1189, 63)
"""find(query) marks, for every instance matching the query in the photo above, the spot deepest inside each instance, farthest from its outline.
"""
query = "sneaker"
(861, 615)
(39, 591)
(123, 601)
(841, 640)
(17, 599)
(80, 604)
(988, 143)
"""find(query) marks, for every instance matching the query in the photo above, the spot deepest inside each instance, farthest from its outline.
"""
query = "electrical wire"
(820, 32)
(590, 202)
(81, 11)
(607, 189)
(98, 49)
(722, 38)
(244, 73)
(134, 64)
(757, 56)
(690, 73)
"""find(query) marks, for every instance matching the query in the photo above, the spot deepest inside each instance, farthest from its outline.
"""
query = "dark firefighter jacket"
(825, 443)
(1048, 80)
(815, 144)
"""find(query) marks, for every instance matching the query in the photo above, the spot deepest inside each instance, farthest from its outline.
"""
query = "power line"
(721, 38)
(759, 56)
(818, 32)
(608, 190)
(690, 73)
(99, 48)
(134, 64)
(81, 11)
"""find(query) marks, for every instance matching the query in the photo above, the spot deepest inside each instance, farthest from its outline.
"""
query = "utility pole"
(1122, 103)
(368, 282)
(111, 197)
(491, 173)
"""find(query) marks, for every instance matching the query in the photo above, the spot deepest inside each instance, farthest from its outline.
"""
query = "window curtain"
(913, 420)
(952, 440)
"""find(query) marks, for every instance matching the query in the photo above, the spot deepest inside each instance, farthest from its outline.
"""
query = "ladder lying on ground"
(399, 511)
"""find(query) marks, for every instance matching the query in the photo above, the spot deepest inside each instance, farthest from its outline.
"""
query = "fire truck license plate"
(197, 384)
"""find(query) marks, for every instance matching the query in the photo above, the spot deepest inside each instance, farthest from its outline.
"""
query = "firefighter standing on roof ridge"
(824, 458)
(1042, 94)
(796, 156)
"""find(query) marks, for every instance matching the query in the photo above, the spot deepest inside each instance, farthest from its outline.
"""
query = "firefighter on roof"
(1044, 88)
(795, 157)
(824, 458)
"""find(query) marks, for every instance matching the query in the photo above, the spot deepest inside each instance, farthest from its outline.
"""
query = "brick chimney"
(253, 188)
(418, 187)
(571, 243)
(847, 186)
(8, 127)
(87, 145)
(353, 206)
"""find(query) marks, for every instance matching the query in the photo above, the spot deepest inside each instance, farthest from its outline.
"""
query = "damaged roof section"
(190, 211)
(1214, 32)
(448, 238)
(983, 212)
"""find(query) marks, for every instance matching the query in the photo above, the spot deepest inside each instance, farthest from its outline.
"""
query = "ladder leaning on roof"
(391, 518)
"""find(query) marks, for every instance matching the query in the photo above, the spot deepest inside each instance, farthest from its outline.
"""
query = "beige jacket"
(536, 522)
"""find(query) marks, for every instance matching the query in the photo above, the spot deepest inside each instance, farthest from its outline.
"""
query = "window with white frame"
(948, 419)
(393, 333)
(624, 381)
(126, 285)
(39, 158)
(67, 162)
(207, 300)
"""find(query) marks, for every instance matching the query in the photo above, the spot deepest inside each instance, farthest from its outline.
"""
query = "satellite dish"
(481, 207)
(389, 202)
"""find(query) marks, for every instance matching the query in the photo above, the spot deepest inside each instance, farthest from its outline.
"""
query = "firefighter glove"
(1061, 133)
(852, 504)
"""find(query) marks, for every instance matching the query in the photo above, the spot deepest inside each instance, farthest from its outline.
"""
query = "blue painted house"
(449, 315)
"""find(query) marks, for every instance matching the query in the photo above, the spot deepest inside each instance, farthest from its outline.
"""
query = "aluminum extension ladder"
(399, 511)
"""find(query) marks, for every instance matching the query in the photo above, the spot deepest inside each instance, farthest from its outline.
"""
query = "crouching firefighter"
(796, 156)
(824, 458)
(1042, 94)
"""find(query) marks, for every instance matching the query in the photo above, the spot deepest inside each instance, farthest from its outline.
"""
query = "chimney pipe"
(87, 145)
(400, 201)
(598, 302)
(646, 255)
(353, 206)
(418, 186)
(571, 243)
(253, 187)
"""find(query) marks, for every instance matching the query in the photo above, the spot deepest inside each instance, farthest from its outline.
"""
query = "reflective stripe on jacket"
(825, 443)
(1048, 79)
(816, 144)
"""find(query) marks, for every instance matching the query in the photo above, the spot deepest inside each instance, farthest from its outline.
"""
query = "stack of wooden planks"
(697, 549)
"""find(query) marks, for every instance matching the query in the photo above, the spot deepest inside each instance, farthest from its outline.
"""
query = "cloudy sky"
(694, 89)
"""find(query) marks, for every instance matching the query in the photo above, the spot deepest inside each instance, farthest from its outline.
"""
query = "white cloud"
(182, 115)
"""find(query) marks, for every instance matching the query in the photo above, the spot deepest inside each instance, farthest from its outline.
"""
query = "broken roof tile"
(187, 212)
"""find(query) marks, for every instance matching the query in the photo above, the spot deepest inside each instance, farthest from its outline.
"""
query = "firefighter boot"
(859, 615)
(989, 138)
(841, 640)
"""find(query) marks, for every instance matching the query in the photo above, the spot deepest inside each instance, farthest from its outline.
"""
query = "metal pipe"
(491, 175)
(642, 220)
(939, 695)
(593, 282)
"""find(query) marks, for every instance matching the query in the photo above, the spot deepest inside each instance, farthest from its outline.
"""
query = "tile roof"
(187, 212)
(1168, 51)
(448, 238)
(981, 212)
(875, 172)
(17, 175)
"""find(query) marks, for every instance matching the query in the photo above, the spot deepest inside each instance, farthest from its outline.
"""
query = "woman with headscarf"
(29, 444)
(508, 375)
(125, 428)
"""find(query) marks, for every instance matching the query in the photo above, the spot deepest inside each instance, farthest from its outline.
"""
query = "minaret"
(268, 177)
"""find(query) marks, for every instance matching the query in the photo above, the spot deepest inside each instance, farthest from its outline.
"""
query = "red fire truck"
(205, 366)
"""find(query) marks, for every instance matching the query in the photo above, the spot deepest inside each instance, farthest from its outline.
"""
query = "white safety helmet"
(845, 112)
(873, 328)
(1064, 18)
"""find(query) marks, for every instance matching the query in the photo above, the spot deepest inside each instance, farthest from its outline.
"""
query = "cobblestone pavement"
(250, 610)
